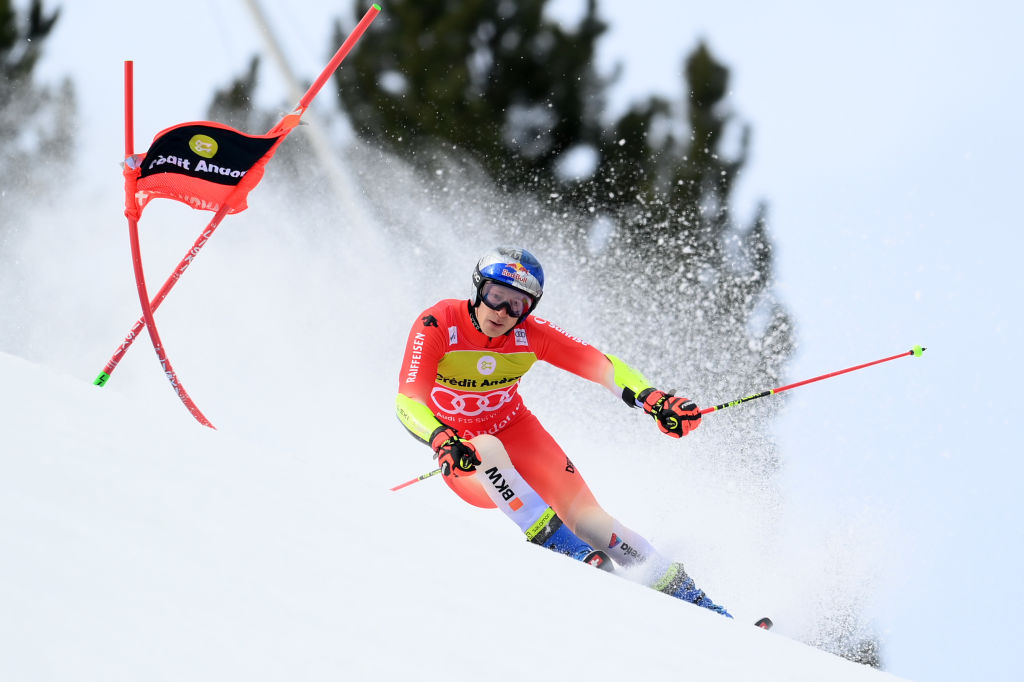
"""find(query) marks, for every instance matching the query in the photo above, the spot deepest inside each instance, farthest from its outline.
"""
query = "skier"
(458, 392)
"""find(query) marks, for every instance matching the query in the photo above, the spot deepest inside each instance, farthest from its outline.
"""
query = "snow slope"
(139, 546)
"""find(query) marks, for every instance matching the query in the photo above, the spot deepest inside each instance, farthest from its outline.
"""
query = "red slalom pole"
(200, 242)
(283, 127)
(129, 108)
(916, 351)
(292, 119)
(133, 233)
(154, 335)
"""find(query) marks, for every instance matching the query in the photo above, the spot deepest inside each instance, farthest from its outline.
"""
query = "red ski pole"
(417, 479)
(916, 351)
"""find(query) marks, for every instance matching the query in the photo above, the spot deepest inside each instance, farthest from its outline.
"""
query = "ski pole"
(916, 351)
(417, 479)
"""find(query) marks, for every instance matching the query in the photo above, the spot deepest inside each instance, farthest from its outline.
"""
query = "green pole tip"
(101, 380)
(376, 6)
(918, 350)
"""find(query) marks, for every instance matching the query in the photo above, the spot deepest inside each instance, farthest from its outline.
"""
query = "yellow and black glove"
(455, 456)
(675, 416)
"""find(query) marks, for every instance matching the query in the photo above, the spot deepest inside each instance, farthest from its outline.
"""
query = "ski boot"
(675, 582)
(550, 532)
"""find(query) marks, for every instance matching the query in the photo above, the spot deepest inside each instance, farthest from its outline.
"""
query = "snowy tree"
(495, 79)
(35, 120)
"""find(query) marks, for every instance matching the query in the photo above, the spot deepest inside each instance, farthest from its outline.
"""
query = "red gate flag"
(200, 164)
(208, 166)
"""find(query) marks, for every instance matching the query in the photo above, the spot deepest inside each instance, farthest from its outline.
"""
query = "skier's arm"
(565, 351)
(568, 352)
(628, 381)
(454, 455)
(423, 351)
(675, 416)
(416, 417)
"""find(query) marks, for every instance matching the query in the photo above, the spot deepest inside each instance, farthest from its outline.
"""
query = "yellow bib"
(480, 370)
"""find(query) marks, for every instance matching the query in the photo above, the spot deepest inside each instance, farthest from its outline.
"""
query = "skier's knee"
(491, 452)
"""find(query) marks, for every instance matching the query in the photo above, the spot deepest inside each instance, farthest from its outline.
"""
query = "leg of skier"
(496, 483)
(630, 549)
(542, 462)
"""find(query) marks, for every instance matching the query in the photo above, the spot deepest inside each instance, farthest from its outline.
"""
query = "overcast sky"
(887, 144)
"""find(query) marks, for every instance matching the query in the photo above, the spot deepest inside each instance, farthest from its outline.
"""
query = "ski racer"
(458, 392)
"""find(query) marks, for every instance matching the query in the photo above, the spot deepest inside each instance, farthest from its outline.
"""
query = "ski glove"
(455, 456)
(675, 416)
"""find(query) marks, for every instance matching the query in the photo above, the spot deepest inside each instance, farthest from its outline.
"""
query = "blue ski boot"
(550, 532)
(677, 583)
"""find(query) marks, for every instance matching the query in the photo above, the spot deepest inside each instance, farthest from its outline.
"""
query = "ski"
(765, 623)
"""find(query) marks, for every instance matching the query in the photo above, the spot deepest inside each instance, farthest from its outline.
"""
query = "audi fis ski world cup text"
(494, 428)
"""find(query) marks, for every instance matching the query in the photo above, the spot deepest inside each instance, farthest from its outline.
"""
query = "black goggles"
(497, 296)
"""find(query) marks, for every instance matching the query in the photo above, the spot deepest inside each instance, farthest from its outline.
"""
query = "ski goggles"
(497, 296)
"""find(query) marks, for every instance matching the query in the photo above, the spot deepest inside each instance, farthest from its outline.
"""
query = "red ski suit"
(470, 381)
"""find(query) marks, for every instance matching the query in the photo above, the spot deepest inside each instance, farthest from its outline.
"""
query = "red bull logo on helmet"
(517, 272)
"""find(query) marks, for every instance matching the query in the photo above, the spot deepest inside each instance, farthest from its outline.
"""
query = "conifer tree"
(498, 80)
(233, 104)
(35, 120)
(704, 273)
